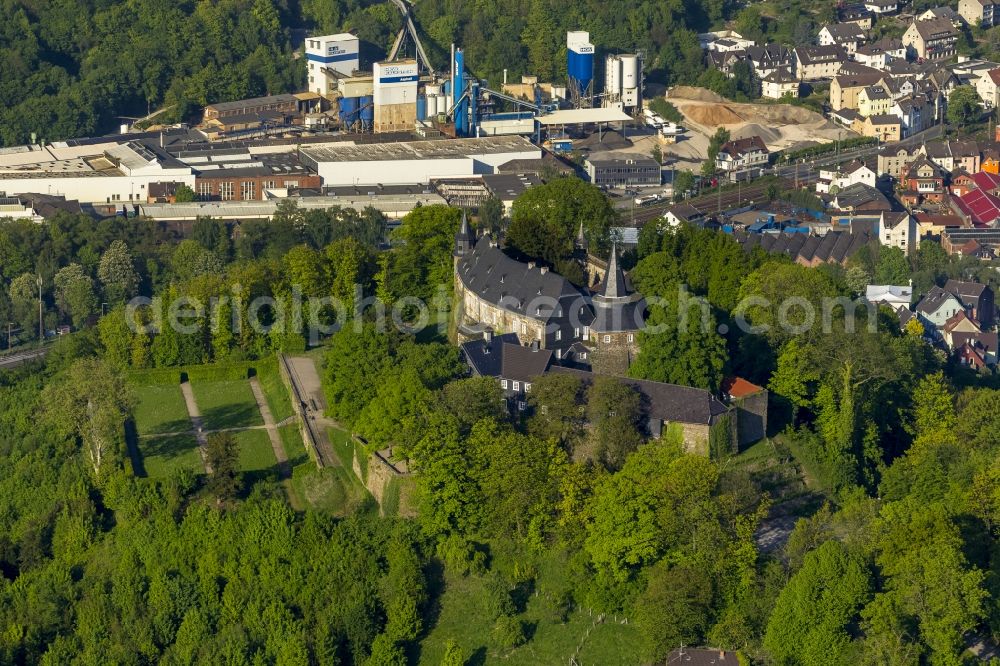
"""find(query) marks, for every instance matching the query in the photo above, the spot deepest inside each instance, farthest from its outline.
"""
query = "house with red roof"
(979, 207)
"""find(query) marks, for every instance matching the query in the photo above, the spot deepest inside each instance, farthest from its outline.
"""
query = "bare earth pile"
(781, 126)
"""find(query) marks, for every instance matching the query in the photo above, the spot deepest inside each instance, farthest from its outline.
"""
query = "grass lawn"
(256, 454)
(465, 619)
(161, 409)
(276, 394)
(295, 450)
(227, 404)
(344, 447)
(161, 456)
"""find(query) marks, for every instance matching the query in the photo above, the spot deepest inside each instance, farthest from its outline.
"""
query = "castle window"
(607, 339)
(527, 387)
(631, 337)
(558, 335)
(517, 386)
(503, 383)
(576, 332)
(524, 329)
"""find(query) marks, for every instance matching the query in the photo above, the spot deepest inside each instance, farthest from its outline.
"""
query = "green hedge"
(212, 372)
(823, 149)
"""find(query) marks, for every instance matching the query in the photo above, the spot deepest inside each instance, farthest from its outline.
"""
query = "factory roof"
(239, 210)
(506, 186)
(243, 104)
(418, 150)
(584, 116)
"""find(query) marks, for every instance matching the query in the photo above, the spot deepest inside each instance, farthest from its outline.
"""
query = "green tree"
(683, 183)
(491, 214)
(963, 106)
(812, 618)
(892, 266)
(675, 608)
(222, 455)
(556, 412)
(614, 410)
(545, 220)
(184, 194)
(116, 337)
(74, 292)
(89, 404)
(117, 273)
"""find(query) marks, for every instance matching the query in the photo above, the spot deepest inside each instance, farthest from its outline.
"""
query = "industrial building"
(331, 57)
(395, 96)
(415, 161)
(624, 171)
(623, 81)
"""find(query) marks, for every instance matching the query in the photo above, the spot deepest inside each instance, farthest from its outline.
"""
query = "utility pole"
(41, 330)
(9, 326)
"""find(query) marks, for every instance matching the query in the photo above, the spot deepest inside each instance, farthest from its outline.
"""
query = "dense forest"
(894, 558)
(79, 68)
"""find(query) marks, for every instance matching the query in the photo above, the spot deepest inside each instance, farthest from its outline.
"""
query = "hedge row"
(213, 372)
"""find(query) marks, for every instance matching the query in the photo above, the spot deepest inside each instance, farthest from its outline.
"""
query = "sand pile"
(712, 114)
(770, 135)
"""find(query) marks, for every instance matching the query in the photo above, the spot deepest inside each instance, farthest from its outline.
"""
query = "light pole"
(41, 330)
(9, 326)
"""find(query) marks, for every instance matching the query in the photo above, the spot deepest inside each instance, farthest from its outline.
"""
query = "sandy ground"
(781, 126)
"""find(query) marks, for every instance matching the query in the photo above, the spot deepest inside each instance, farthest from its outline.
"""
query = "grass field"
(161, 456)
(276, 393)
(332, 489)
(226, 404)
(464, 618)
(345, 448)
(161, 409)
(256, 454)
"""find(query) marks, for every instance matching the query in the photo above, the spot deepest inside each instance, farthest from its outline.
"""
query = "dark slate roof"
(517, 287)
(614, 283)
(738, 147)
(668, 402)
(503, 357)
(701, 657)
(860, 194)
(966, 291)
(934, 299)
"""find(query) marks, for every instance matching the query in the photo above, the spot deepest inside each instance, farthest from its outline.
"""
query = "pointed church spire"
(465, 240)
(614, 281)
(581, 239)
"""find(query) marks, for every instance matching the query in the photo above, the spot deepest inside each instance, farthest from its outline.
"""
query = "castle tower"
(465, 240)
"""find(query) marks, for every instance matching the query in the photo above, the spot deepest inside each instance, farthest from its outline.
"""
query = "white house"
(845, 175)
(779, 83)
(938, 306)
(742, 157)
(898, 230)
(894, 296)
(847, 35)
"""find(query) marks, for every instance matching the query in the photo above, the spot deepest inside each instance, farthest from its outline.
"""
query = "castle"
(591, 327)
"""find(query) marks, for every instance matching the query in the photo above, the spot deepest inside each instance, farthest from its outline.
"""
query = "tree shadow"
(132, 447)
(478, 658)
(235, 415)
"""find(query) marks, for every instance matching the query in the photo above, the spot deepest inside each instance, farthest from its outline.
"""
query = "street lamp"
(41, 330)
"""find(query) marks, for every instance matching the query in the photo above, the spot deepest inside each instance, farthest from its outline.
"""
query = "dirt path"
(199, 426)
(272, 429)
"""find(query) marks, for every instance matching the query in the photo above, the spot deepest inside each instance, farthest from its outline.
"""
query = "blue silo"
(348, 110)
(421, 108)
(367, 110)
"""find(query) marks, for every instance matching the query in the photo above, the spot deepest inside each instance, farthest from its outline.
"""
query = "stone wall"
(751, 418)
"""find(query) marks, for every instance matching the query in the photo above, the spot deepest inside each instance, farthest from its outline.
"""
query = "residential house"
(779, 83)
(742, 157)
(892, 160)
(984, 13)
(990, 161)
(855, 13)
(977, 298)
(929, 224)
(893, 47)
(845, 117)
(770, 58)
(987, 87)
(943, 80)
(682, 213)
(933, 39)
(923, 181)
(885, 128)
(915, 113)
(960, 183)
(872, 56)
(958, 324)
(977, 250)
(881, 7)
(895, 297)
(953, 154)
(844, 88)
(898, 229)
(937, 307)
(989, 182)
(845, 175)
(847, 35)
(873, 101)
(946, 13)
(709, 40)
(836, 247)
(814, 63)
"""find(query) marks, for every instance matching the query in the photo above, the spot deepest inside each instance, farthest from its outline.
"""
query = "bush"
(508, 632)
(823, 149)
(498, 599)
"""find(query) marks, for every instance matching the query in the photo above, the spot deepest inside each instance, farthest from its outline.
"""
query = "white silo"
(432, 106)
(631, 80)
(612, 78)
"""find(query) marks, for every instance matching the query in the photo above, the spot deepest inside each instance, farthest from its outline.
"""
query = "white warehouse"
(91, 173)
(414, 161)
